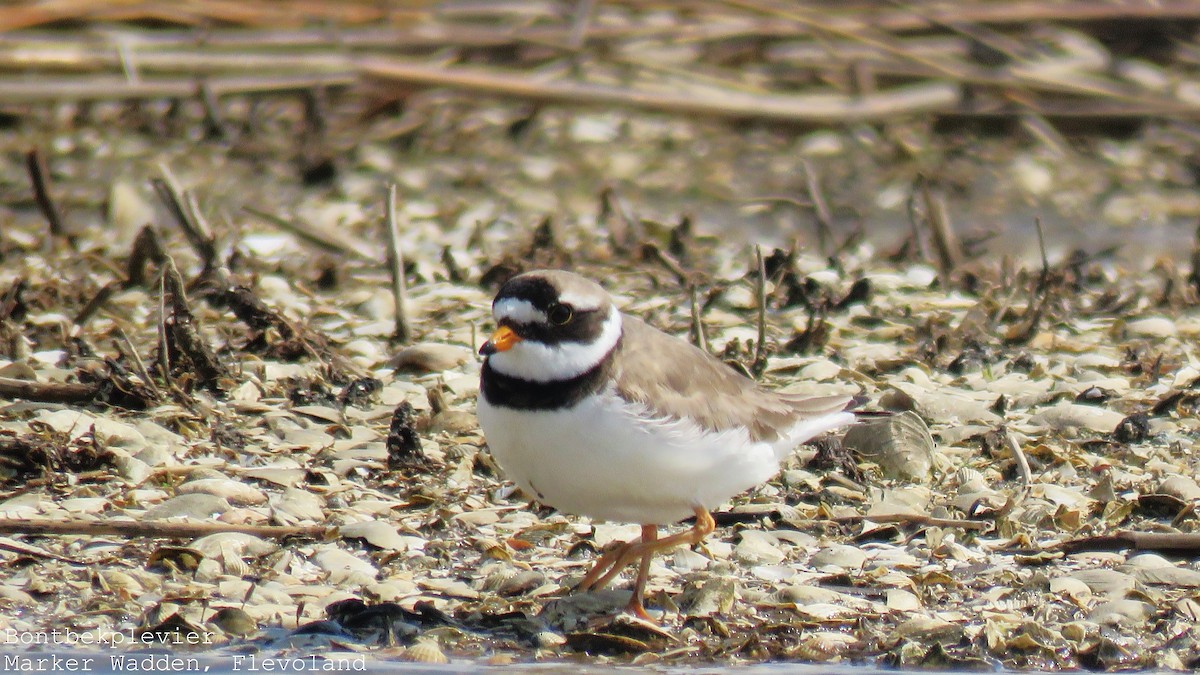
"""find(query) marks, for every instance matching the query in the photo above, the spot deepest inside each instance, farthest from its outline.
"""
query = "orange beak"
(502, 340)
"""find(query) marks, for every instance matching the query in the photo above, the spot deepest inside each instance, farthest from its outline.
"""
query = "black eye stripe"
(585, 326)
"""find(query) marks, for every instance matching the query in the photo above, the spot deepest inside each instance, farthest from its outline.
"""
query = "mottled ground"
(1047, 405)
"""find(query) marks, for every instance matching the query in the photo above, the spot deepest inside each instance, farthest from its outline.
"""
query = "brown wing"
(700, 387)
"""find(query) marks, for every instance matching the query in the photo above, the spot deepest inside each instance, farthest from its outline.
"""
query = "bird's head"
(551, 325)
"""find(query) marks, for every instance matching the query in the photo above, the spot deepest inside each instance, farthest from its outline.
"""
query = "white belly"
(601, 459)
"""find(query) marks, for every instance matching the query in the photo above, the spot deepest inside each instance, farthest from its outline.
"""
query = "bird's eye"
(560, 314)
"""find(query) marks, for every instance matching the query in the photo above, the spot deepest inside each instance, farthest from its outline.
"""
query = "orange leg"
(610, 564)
(635, 606)
(703, 527)
(602, 565)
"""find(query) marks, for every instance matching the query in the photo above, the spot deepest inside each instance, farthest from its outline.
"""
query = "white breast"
(604, 458)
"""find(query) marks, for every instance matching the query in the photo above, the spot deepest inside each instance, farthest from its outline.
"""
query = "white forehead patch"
(540, 362)
(584, 302)
(518, 311)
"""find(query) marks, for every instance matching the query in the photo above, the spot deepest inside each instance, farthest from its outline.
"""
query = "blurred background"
(826, 123)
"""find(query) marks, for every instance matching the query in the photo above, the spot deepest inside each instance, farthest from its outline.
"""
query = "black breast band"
(506, 391)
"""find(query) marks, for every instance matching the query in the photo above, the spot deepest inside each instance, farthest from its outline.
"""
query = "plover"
(596, 413)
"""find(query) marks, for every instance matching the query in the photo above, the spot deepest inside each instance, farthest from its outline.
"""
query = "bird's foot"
(637, 609)
(601, 569)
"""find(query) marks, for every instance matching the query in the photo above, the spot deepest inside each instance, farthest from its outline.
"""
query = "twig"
(760, 346)
(212, 112)
(128, 61)
(164, 359)
(35, 551)
(453, 272)
(98, 300)
(153, 528)
(1045, 277)
(1025, 330)
(258, 26)
(39, 176)
(817, 107)
(12, 298)
(1167, 542)
(812, 186)
(1194, 273)
(396, 267)
(25, 90)
(138, 364)
(580, 22)
(949, 250)
(252, 311)
(697, 325)
(183, 332)
(1022, 461)
(1041, 129)
(623, 231)
(183, 207)
(316, 160)
(651, 251)
(48, 392)
(331, 242)
(146, 247)
(914, 221)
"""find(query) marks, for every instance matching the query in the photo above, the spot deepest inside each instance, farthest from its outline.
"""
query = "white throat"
(539, 362)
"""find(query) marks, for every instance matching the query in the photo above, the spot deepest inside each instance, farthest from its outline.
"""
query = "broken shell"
(900, 445)
(822, 646)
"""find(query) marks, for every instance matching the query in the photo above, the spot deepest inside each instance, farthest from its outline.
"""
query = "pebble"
(236, 492)
(687, 560)
(899, 600)
(519, 583)
(392, 589)
(1122, 611)
(454, 422)
(1167, 575)
(344, 567)
(86, 505)
(299, 504)
(1072, 417)
(810, 595)
(197, 506)
(944, 405)
(1071, 587)
(1106, 582)
(234, 543)
(757, 548)
(429, 357)
(1183, 487)
(712, 597)
(841, 556)
(132, 469)
(376, 533)
(1155, 326)
(234, 621)
(155, 456)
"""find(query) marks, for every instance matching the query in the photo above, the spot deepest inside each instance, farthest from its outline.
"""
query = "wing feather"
(700, 387)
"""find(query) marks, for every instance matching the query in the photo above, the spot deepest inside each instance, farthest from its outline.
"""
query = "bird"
(596, 413)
